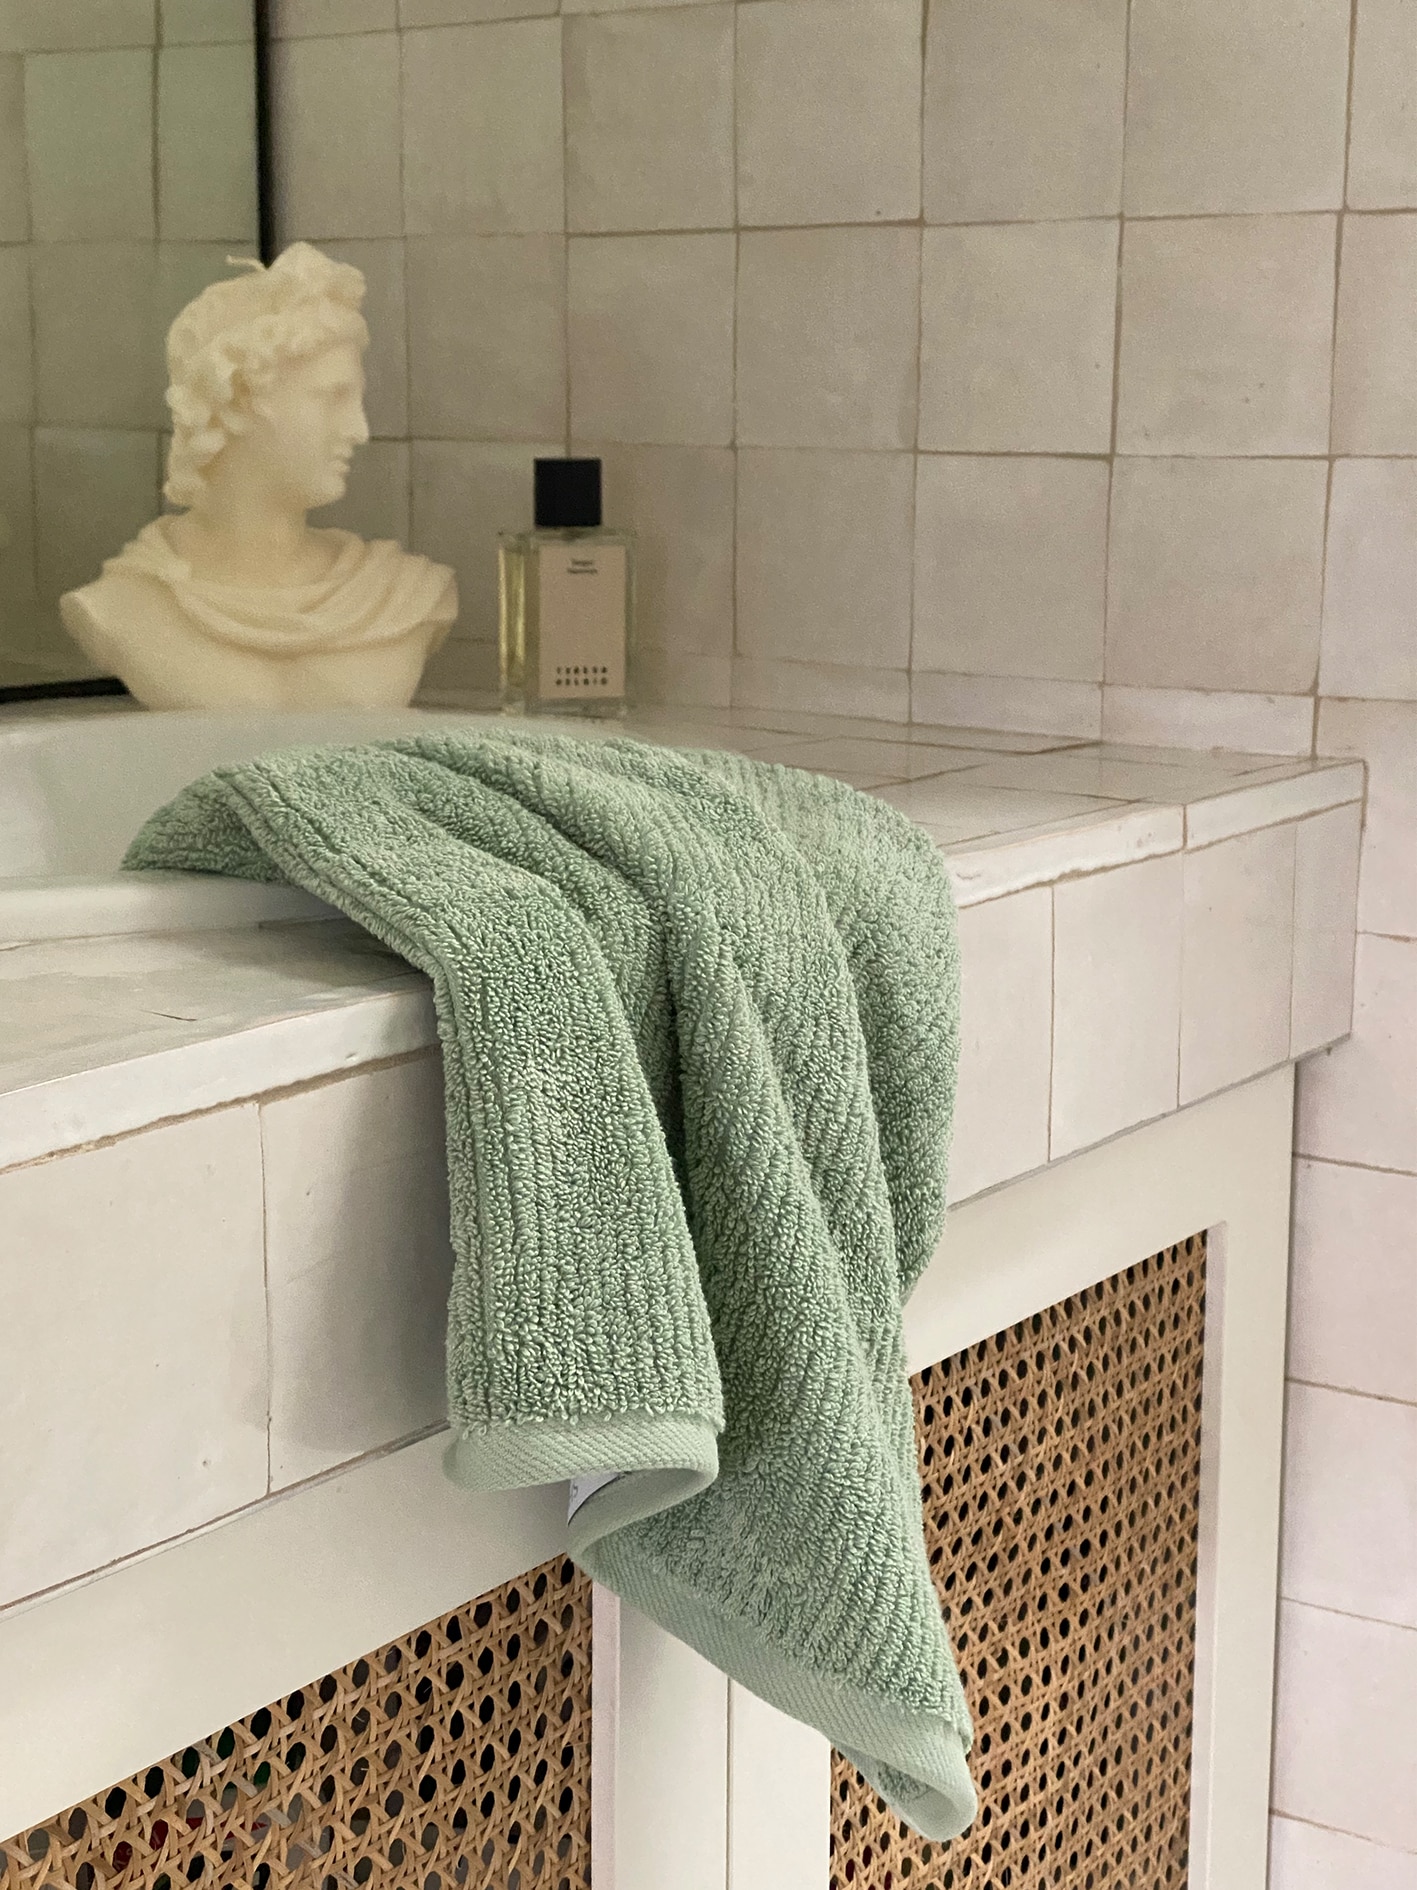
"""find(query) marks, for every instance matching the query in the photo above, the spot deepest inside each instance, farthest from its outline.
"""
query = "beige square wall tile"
(649, 120)
(312, 19)
(152, 1275)
(335, 106)
(1116, 1000)
(1227, 329)
(482, 129)
(1198, 718)
(464, 494)
(1357, 1102)
(821, 688)
(358, 1264)
(1010, 566)
(1238, 960)
(75, 25)
(89, 139)
(678, 500)
(206, 144)
(618, 6)
(1216, 573)
(1350, 1522)
(462, 12)
(1374, 383)
(678, 677)
(651, 336)
(1384, 734)
(376, 503)
(824, 556)
(1346, 1724)
(1236, 105)
(828, 111)
(1370, 625)
(14, 178)
(206, 22)
(1307, 1857)
(462, 674)
(94, 490)
(1017, 336)
(1353, 1301)
(98, 359)
(16, 363)
(381, 262)
(1325, 916)
(1027, 704)
(487, 337)
(1005, 1050)
(1382, 150)
(1023, 109)
(827, 337)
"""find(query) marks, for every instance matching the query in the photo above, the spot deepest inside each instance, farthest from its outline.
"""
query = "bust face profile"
(237, 600)
(303, 430)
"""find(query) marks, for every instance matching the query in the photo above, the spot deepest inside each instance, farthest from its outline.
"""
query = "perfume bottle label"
(581, 620)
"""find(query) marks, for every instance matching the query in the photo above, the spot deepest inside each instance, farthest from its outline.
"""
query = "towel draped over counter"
(699, 1021)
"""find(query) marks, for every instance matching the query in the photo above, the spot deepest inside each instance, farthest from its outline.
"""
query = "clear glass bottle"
(566, 596)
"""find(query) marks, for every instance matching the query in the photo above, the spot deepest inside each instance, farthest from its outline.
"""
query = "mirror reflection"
(128, 175)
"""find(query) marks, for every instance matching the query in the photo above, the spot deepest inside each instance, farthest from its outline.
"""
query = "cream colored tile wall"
(1005, 362)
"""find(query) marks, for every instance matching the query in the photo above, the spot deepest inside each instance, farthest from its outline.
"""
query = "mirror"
(129, 168)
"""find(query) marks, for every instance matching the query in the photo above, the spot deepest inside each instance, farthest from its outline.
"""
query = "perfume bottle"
(566, 593)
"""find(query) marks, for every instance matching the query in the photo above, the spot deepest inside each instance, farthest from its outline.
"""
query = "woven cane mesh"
(1060, 1473)
(455, 1758)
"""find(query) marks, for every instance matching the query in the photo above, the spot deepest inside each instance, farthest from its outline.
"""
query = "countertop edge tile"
(1245, 809)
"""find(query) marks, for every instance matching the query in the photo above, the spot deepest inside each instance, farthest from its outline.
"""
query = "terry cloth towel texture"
(699, 1020)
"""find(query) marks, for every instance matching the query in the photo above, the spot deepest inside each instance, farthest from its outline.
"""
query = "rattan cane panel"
(455, 1758)
(1060, 1474)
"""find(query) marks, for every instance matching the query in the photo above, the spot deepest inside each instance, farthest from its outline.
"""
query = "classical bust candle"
(566, 593)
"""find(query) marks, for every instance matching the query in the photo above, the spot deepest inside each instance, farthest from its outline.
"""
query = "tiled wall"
(1120, 435)
(127, 175)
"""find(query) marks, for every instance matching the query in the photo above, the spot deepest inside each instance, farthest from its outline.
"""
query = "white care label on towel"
(583, 1488)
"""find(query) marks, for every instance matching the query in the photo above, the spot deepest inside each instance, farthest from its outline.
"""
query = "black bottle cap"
(567, 494)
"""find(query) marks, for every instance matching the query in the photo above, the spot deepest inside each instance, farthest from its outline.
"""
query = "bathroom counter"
(1139, 928)
(223, 1231)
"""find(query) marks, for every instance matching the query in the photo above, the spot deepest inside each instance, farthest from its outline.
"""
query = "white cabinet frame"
(697, 1785)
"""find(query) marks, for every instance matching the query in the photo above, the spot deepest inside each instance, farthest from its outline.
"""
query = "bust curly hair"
(229, 344)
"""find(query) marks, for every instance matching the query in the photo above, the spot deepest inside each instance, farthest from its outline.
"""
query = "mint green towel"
(699, 1028)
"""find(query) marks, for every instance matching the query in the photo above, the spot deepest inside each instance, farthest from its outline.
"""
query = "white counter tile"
(151, 1274)
(871, 764)
(952, 808)
(1003, 863)
(102, 1036)
(1006, 1001)
(1260, 803)
(1325, 914)
(358, 1264)
(1117, 1001)
(1238, 960)
(1353, 1297)
(1097, 770)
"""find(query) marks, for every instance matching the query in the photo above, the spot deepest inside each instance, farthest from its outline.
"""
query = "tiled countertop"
(1139, 926)
(226, 1145)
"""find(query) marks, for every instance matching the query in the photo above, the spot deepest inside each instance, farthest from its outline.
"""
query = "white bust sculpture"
(238, 602)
